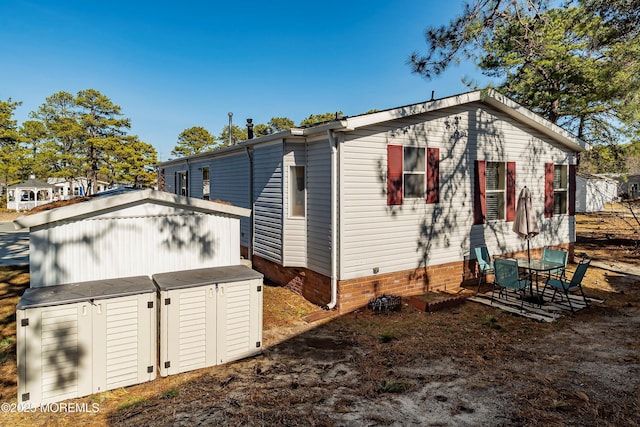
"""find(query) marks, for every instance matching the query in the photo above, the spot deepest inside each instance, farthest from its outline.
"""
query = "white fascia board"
(524, 115)
(489, 97)
(109, 203)
(411, 110)
(241, 146)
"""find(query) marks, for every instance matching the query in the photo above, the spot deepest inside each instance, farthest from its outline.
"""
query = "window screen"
(560, 189)
(297, 186)
(495, 191)
(414, 172)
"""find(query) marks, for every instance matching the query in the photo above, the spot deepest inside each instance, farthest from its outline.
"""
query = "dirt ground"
(470, 365)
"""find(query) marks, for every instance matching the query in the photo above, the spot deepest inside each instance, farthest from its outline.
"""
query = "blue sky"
(174, 65)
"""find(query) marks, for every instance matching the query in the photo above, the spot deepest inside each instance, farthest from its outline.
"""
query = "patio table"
(537, 266)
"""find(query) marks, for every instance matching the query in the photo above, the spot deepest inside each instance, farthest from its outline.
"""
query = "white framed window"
(413, 172)
(560, 189)
(297, 192)
(495, 191)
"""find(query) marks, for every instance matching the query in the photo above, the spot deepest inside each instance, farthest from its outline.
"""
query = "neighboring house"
(391, 202)
(137, 233)
(593, 192)
(67, 189)
(31, 193)
(28, 194)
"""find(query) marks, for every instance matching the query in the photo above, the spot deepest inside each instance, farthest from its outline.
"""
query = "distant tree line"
(74, 136)
(197, 139)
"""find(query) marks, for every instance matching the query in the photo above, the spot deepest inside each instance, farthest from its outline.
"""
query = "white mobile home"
(393, 201)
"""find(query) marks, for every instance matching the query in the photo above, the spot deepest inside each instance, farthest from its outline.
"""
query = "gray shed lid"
(204, 276)
(85, 291)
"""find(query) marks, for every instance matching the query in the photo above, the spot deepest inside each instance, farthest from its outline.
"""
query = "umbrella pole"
(526, 215)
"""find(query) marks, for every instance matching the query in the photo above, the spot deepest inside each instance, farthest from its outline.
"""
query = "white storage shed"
(593, 192)
(208, 317)
(136, 233)
(82, 338)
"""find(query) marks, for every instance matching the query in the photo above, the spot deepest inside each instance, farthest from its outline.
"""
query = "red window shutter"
(548, 190)
(479, 187)
(572, 190)
(433, 175)
(394, 175)
(511, 191)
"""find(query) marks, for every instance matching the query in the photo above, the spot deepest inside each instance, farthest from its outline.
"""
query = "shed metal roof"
(100, 205)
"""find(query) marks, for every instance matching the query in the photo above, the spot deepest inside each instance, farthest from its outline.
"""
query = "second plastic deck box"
(208, 317)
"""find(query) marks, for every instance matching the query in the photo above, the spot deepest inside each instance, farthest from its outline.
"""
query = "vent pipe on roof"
(230, 121)
(433, 92)
(249, 128)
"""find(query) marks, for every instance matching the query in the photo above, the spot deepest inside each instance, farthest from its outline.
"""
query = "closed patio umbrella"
(525, 224)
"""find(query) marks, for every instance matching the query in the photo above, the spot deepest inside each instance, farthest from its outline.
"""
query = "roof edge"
(98, 205)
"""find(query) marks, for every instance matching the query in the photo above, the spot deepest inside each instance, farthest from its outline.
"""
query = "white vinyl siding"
(196, 183)
(319, 207)
(415, 234)
(295, 225)
(139, 240)
(268, 213)
(230, 183)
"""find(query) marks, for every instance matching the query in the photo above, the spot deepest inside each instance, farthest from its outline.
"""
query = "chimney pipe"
(250, 128)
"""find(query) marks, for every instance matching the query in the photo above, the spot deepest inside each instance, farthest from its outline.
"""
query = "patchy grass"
(466, 365)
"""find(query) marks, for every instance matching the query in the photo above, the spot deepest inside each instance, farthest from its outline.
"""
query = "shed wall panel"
(107, 248)
(593, 194)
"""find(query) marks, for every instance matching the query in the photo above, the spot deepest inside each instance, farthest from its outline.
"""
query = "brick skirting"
(356, 293)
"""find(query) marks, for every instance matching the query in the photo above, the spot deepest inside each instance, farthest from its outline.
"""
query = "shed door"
(121, 341)
(189, 327)
(239, 319)
(55, 354)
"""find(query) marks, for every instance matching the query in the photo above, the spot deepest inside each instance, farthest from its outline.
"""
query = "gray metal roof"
(101, 204)
(31, 183)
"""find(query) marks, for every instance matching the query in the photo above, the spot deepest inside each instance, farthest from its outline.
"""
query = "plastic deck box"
(208, 317)
(82, 338)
